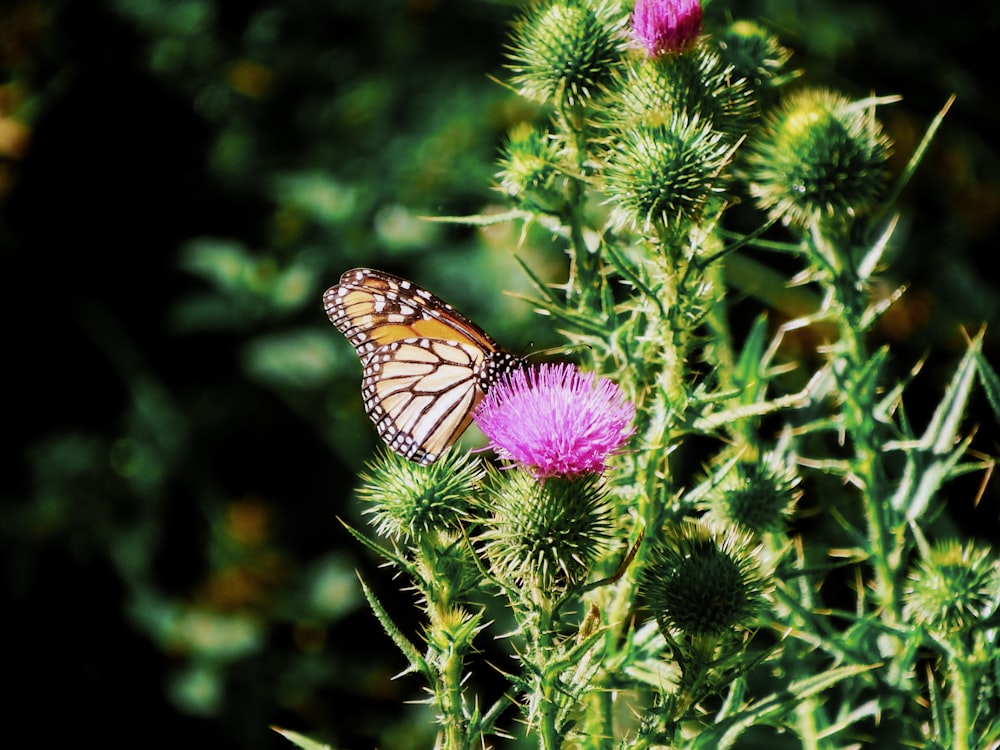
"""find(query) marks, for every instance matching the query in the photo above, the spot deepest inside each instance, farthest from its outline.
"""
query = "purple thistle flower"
(556, 420)
(666, 26)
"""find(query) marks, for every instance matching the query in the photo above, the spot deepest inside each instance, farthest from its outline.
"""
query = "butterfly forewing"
(374, 307)
(426, 366)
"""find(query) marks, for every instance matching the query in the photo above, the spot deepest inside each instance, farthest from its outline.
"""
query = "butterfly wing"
(426, 366)
(372, 308)
(420, 393)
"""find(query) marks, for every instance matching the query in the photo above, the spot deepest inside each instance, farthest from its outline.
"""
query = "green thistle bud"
(530, 173)
(698, 83)
(821, 157)
(544, 535)
(660, 176)
(754, 53)
(409, 500)
(564, 51)
(703, 582)
(954, 587)
(757, 495)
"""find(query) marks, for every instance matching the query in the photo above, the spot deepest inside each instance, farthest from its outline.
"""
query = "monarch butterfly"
(425, 366)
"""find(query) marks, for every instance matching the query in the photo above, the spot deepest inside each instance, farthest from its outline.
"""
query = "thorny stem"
(582, 284)
(860, 401)
(548, 707)
(450, 661)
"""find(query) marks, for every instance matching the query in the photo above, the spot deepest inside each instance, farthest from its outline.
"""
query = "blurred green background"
(179, 182)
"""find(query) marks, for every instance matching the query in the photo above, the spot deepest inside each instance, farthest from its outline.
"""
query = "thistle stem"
(545, 649)
(859, 406)
(961, 701)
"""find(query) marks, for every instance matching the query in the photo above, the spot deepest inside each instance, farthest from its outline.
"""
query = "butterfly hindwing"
(426, 366)
(420, 394)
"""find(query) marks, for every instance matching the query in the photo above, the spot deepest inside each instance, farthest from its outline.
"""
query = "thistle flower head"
(703, 580)
(821, 157)
(664, 27)
(954, 587)
(563, 51)
(660, 176)
(556, 420)
(545, 535)
(407, 500)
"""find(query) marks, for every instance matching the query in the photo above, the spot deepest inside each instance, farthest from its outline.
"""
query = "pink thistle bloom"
(556, 420)
(666, 26)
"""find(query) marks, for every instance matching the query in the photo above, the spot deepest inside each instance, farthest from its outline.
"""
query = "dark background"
(179, 182)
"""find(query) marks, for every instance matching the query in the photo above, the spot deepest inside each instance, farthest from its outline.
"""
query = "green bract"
(530, 170)
(756, 495)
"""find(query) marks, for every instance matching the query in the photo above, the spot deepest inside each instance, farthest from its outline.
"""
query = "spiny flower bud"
(821, 157)
(703, 581)
(954, 587)
(545, 535)
(408, 500)
(756, 495)
(529, 170)
(564, 51)
(659, 176)
(699, 84)
(755, 54)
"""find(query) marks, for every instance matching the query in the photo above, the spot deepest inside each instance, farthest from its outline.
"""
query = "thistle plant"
(695, 541)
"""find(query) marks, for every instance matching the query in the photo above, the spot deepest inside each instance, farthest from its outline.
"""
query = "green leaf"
(911, 166)
(621, 264)
(378, 549)
(931, 459)
(938, 709)
(748, 373)
(943, 430)
(300, 740)
(869, 264)
(725, 733)
(483, 220)
(845, 722)
(991, 383)
(543, 288)
(417, 663)
(816, 684)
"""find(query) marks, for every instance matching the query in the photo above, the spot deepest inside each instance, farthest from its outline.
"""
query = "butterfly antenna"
(554, 350)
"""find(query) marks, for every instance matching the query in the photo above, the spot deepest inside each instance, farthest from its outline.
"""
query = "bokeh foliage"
(179, 181)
